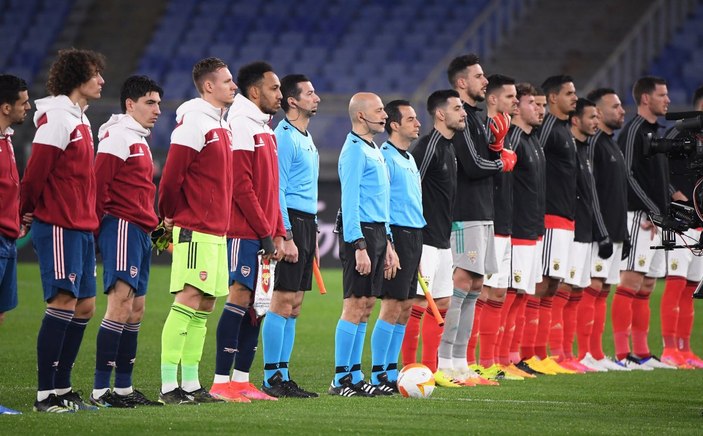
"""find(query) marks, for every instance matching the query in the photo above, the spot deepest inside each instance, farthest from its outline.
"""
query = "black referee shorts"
(408, 247)
(297, 276)
(354, 283)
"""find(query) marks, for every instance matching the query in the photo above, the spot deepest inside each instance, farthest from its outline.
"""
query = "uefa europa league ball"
(416, 381)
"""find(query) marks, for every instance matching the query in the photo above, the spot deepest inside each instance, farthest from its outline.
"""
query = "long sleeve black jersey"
(560, 152)
(476, 166)
(528, 185)
(648, 177)
(610, 174)
(503, 198)
(682, 179)
(435, 159)
(588, 215)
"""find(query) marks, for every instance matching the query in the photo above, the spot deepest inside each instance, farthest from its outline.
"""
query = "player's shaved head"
(361, 102)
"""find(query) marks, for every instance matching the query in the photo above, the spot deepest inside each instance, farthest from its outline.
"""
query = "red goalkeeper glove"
(509, 159)
(499, 127)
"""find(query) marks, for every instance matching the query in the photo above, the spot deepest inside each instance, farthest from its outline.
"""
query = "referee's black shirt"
(435, 159)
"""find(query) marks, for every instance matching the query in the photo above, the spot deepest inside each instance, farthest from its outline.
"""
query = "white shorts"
(473, 247)
(523, 273)
(555, 252)
(642, 257)
(537, 265)
(681, 262)
(436, 267)
(501, 279)
(579, 265)
(607, 269)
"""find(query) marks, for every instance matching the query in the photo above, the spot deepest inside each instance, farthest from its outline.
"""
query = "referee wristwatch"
(359, 244)
(289, 235)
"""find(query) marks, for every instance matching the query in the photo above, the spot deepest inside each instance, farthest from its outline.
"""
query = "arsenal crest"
(203, 275)
(133, 271)
(266, 274)
(72, 277)
(246, 270)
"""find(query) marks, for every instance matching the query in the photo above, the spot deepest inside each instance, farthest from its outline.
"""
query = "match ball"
(416, 381)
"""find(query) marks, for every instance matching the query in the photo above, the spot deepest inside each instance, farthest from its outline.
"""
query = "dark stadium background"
(397, 49)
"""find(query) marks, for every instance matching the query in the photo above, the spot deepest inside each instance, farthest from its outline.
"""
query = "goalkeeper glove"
(161, 238)
(509, 159)
(499, 127)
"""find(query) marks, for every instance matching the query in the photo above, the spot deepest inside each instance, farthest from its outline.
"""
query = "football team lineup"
(482, 254)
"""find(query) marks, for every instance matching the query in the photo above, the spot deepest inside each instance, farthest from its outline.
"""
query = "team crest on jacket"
(555, 265)
(203, 275)
(133, 271)
(674, 265)
(473, 256)
(245, 270)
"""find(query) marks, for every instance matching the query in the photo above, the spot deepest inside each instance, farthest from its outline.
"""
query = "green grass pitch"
(656, 402)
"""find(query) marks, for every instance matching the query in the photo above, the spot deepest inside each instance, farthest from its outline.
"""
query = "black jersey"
(560, 152)
(682, 179)
(503, 198)
(588, 216)
(435, 159)
(476, 166)
(610, 174)
(528, 185)
(648, 181)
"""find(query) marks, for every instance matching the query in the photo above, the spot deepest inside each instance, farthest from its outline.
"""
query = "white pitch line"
(489, 400)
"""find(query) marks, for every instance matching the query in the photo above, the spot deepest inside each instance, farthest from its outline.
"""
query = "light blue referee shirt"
(298, 170)
(366, 188)
(406, 188)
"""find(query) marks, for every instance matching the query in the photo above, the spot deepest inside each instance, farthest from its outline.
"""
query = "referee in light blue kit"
(298, 169)
(406, 222)
(365, 247)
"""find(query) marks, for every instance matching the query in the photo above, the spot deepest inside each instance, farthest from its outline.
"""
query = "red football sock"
(599, 315)
(545, 322)
(412, 334)
(531, 325)
(686, 315)
(502, 355)
(514, 344)
(585, 315)
(570, 323)
(556, 327)
(488, 331)
(669, 309)
(640, 325)
(621, 314)
(431, 335)
(473, 340)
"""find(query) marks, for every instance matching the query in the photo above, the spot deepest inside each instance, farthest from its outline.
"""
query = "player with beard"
(589, 227)
(480, 156)
(648, 193)
(685, 271)
(255, 227)
(610, 174)
(560, 208)
(14, 104)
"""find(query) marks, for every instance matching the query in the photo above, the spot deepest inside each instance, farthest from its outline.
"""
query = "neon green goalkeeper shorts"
(199, 260)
